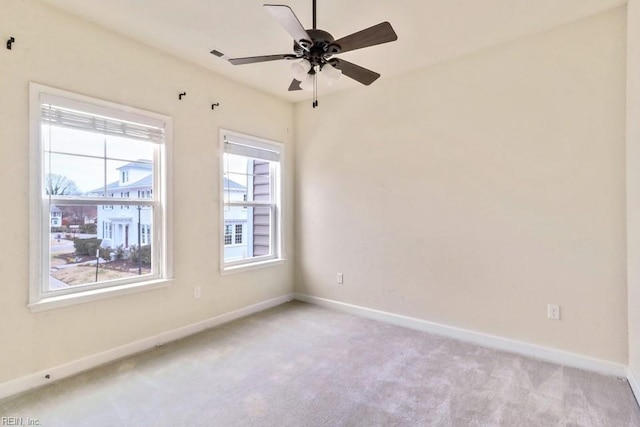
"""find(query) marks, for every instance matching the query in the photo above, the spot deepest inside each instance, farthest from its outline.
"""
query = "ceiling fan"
(313, 50)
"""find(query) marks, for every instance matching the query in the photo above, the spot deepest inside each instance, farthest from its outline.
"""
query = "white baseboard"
(37, 379)
(633, 382)
(492, 341)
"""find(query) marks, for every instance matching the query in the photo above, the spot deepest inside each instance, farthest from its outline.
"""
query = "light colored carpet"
(302, 365)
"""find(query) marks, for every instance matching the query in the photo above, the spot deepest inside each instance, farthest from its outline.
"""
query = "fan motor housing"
(320, 36)
(319, 48)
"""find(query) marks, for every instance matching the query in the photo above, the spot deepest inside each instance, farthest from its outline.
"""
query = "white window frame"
(40, 298)
(277, 255)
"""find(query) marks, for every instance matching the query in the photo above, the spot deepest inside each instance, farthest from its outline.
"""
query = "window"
(251, 194)
(85, 152)
(145, 229)
(238, 235)
(107, 230)
(228, 234)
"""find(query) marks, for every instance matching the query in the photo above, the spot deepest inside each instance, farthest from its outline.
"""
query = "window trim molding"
(278, 217)
(38, 222)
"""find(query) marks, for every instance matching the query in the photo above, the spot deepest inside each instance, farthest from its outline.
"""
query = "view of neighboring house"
(246, 228)
(235, 224)
(118, 225)
(65, 216)
(56, 217)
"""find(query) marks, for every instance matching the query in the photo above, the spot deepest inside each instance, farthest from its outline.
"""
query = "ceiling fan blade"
(254, 59)
(295, 85)
(378, 34)
(285, 16)
(356, 72)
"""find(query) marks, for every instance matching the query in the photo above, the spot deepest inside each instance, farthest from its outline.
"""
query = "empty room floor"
(303, 365)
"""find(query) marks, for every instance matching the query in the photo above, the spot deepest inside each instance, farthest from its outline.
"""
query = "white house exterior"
(235, 224)
(118, 225)
(56, 217)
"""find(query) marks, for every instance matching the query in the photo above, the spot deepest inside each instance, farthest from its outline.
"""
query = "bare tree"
(60, 185)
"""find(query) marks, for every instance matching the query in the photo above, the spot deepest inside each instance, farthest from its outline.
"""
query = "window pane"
(73, 175)
(252, 228)
(129, 149)
(246, 179)
(235, 177)
(78, 232)
(73, 141)
(130, 179)
(233, 190)
(69, 174)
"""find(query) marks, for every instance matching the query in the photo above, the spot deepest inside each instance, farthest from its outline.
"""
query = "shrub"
(86, 247)
(105, 253)
(119, 253)
(145, 255)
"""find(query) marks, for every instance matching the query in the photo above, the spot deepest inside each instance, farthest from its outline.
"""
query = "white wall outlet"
(197, 292)
(340, 278)
(553, 311)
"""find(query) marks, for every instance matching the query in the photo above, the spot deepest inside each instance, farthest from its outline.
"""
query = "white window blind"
(253, 149)
(66, 113)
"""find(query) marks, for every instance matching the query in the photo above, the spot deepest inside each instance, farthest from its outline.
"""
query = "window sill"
(96, 294)
(252, 266)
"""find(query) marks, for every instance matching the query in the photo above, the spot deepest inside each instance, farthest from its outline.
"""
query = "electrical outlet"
(553, 311)
(340, 278)
(197, 292)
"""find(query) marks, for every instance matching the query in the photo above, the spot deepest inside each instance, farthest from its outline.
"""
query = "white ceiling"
(429, 31)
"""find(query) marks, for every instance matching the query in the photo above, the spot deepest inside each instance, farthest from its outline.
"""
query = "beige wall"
(633, 181)
(477, 191)
(56, 49)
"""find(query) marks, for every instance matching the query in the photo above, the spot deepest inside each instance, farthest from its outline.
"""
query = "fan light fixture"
(302, 72)
(331, 72)
(307, 82)
(300, 69)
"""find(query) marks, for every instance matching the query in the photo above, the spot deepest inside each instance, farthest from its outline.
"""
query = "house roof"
(232, 185)
(147, 182)
(138, 164)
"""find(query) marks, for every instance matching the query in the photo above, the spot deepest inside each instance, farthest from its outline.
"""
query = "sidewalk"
(55, 284)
